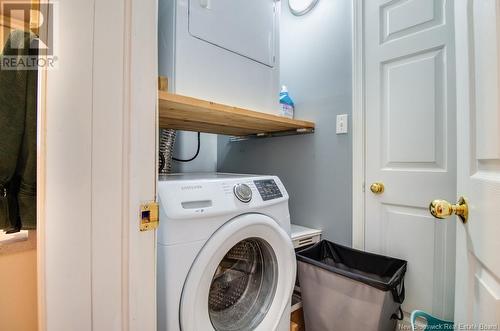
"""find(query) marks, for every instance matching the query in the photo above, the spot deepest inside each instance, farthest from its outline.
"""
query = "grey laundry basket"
(344, 289)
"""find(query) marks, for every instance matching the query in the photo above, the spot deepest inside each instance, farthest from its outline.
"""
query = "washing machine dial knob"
(243, 192)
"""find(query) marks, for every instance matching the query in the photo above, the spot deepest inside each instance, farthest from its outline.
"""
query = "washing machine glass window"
(243, 286)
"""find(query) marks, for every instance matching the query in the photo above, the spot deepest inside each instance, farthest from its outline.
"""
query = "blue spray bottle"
(286, 103)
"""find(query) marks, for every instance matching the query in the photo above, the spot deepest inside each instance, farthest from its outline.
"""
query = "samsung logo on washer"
(191, 187)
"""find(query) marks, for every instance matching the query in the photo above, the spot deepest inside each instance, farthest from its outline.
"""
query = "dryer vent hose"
(166, 151)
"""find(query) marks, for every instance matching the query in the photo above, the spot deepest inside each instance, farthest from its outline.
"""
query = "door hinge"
(148, 216)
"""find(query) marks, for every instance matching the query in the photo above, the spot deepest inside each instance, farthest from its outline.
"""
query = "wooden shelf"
(191, 114)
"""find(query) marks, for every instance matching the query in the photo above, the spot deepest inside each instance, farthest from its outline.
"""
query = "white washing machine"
(225, 257)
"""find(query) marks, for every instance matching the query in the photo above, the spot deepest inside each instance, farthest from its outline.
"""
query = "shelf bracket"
(272, 134)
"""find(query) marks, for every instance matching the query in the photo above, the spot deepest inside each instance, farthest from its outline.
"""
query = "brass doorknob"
(377, 187)
(442, 209)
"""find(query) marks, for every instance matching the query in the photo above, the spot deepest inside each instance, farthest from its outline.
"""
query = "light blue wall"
(316, 169)
(185, 148)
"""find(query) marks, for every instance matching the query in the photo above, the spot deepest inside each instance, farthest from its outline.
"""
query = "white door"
(410, 142)
(242, 279)
(96, 269)
(478, 110)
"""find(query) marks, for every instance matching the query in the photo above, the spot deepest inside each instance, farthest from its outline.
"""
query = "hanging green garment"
(18, 105)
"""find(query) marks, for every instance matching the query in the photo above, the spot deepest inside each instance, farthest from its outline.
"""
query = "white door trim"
(141, 151)
(358, 129)
(97, 164)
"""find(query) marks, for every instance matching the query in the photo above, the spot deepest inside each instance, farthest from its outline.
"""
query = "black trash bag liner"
(382, 272)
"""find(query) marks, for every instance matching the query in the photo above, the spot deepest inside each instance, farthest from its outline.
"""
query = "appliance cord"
(195, 155)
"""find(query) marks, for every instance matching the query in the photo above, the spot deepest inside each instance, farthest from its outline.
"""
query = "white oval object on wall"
(301, 7)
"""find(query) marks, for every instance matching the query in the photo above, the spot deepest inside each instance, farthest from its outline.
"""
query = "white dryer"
(225, 51)
(225, 257)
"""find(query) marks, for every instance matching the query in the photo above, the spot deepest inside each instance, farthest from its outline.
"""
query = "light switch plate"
(342, 124)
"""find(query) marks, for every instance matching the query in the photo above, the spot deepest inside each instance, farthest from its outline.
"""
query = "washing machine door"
(242, 279)
(244, 27)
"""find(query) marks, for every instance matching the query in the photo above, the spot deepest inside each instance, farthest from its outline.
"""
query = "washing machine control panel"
(243, 192)
(268, 189)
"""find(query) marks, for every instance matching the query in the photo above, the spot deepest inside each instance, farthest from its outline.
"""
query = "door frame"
(96, 270)
(358, 128)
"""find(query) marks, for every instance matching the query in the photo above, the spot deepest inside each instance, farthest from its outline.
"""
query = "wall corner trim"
(358, 129)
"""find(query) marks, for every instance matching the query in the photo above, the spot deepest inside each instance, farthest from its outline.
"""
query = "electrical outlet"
(342, 124)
